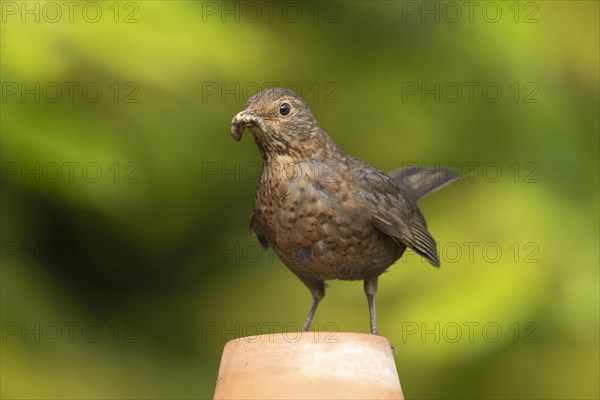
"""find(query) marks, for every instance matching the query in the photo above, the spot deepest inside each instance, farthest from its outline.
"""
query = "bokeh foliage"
(178, 269)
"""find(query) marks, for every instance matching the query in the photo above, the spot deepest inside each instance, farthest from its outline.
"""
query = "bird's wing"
(393, 212)
(413, 234)
(255, 228)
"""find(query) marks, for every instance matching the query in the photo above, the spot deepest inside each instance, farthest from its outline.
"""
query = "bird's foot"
(306, 326)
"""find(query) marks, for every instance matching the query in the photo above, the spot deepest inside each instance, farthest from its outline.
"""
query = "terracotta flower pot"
(308, 365)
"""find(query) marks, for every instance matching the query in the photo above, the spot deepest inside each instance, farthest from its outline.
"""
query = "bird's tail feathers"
(418, 182)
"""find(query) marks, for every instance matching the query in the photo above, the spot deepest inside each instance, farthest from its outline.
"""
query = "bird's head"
(280, 121)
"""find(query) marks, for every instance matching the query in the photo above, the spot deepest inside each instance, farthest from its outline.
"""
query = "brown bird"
(326, 214)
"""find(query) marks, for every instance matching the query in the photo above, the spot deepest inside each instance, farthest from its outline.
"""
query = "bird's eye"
(284, 109)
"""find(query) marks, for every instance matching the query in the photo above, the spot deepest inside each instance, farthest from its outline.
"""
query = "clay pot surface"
(308, 365)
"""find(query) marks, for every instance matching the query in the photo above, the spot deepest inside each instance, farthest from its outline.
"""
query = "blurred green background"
(126, 258)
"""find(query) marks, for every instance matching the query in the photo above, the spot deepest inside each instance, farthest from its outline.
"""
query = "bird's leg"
(317, 288)
(370, 290)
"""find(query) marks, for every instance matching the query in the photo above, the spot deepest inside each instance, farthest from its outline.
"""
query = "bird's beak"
(248, 119)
